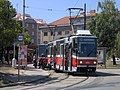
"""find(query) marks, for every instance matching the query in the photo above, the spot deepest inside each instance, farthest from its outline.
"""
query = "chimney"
(92, 11)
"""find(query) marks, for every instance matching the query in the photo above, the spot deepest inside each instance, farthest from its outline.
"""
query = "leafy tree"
(117, 44)
(106, 24)
(9, 28)
(27, 38)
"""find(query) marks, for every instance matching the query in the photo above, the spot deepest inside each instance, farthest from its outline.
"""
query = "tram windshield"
(87, 47)
(42, 50)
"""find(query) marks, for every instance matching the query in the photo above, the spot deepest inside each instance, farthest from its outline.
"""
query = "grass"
(3, 80)
(109, 65)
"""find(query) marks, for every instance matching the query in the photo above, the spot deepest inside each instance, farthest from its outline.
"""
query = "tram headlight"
(80, 62)
(95, 62)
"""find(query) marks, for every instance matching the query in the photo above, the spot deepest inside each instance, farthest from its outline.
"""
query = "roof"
(62, 21)
(66, 20)
(40, 21)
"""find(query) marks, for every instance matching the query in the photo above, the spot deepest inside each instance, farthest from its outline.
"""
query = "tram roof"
(80, 33)
(83, 32)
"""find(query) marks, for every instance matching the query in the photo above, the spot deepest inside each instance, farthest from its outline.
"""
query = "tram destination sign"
(87, 39)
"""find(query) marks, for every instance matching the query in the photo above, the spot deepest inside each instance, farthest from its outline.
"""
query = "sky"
(52, 10)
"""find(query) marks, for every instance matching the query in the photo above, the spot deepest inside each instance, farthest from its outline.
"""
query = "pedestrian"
(40, 62)
(35, 61)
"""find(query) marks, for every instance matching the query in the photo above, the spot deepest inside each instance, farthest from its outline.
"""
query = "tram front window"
(42, 50)
(87, 50)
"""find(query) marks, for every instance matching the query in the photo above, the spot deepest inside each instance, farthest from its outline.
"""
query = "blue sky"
(51, 10)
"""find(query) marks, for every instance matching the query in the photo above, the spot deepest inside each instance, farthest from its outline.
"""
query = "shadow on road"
(106, 74)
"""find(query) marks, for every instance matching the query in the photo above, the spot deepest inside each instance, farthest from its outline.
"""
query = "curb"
(20, 83)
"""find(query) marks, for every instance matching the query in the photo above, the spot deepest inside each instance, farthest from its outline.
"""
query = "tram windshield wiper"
(91, 51)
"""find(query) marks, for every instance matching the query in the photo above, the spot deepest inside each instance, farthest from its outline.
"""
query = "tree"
(106, 24)
(117, 44)
(9, 27)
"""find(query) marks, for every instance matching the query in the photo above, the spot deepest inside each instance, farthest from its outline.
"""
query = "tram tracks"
(59, 81)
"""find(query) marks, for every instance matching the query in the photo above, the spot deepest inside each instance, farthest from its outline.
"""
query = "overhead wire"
(47, 9)
(78, 11)
(76, 3)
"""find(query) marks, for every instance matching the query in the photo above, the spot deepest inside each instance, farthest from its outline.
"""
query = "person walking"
(35, 61)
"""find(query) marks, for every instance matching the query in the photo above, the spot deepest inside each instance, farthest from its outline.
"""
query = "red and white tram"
(77, 53)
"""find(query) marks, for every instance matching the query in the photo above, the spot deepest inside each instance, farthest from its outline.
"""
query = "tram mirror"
(75, 45)
(75, 50)
(70, 45)
(46, 50)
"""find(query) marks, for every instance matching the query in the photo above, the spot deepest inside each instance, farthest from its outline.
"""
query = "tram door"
(62, 56)
(54, 56)
(67, 57)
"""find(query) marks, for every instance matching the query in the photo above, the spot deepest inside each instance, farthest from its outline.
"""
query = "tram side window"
(75, 45)
(58, 48)
(66, 48)
(49, 50)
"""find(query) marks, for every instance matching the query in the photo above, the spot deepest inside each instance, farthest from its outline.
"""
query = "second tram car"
(42, 55)
(77, 53)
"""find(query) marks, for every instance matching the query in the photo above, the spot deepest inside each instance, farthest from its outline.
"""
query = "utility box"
(14, 62)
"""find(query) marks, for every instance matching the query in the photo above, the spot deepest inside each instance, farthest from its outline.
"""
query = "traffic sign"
(20, 38)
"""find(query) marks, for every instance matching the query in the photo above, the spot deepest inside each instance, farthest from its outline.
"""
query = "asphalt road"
(105, 79)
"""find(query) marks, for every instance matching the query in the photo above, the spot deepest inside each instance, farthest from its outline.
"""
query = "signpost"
(20, 40)
(22, 54)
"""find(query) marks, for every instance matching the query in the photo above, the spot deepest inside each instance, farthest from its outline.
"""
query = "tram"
(76, 53)
(42, 55)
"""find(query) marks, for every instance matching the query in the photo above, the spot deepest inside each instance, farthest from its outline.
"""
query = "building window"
(60, 33)
(33, 33)
(45, 33)
(51, 33)
(33, 25)
(66, 32)
(27, 25)
(38, 41)
(81, 20)
(32, 41)
(45, 42)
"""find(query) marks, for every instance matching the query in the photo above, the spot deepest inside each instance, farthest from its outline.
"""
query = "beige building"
(40, 32)
(32, 28)
(62, 28)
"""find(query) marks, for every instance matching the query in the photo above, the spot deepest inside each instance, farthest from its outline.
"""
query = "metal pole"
(72, 22)
(85, 16)
(19, 57)
(23, 23)
(14, 51)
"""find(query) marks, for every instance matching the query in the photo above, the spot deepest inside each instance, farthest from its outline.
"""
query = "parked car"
(116, 59)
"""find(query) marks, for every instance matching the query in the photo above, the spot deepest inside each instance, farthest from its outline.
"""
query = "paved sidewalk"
(30, 74)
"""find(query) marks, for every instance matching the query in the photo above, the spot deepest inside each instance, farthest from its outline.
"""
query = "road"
(105, 79)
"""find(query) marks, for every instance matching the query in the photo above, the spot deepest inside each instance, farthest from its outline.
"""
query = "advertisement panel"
(101, 54)
(22, 55)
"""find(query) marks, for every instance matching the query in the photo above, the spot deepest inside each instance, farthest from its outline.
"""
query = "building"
(62, 28)
(31, 26)
(41, 32)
